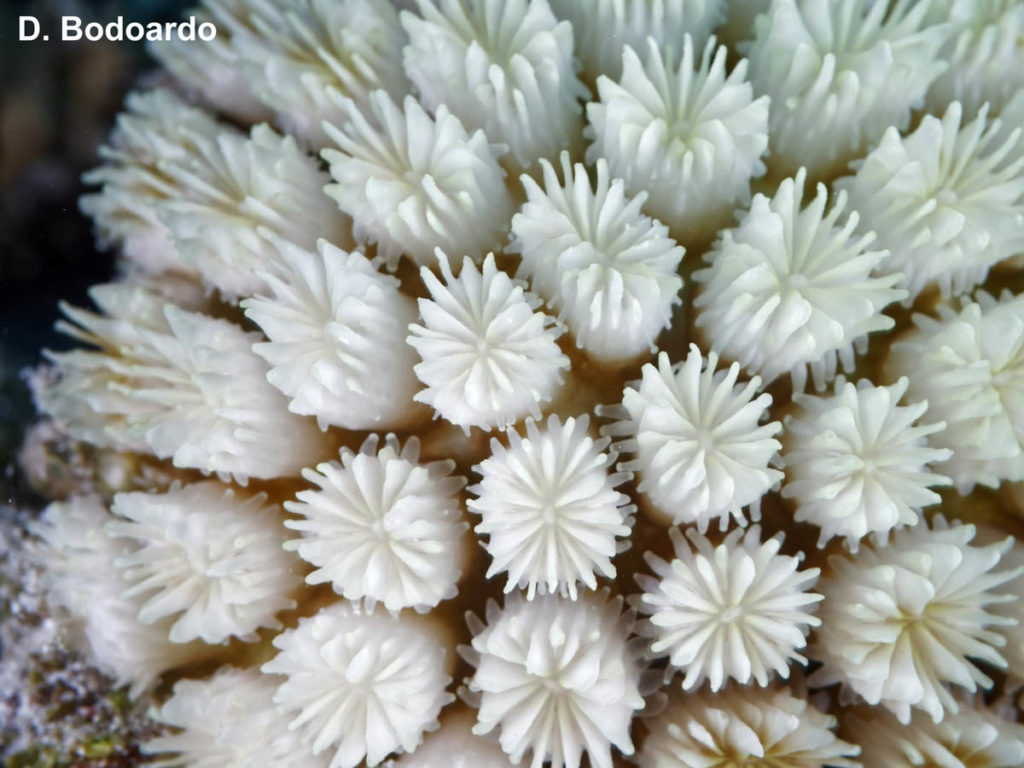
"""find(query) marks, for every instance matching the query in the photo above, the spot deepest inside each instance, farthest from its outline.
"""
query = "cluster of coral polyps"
(542, 380)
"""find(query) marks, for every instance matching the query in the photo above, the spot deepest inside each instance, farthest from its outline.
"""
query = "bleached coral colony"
(556, 278)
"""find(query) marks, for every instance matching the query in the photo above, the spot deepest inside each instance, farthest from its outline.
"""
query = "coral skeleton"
(359, 683)
(701, 451)
(791, 287)
(899, 621)
(381, 526)
(556, 677)
(550, 508)
(857, 463)
(386, 272)
(741, 727)
(737, 611)
(691, 136)
(591, 254)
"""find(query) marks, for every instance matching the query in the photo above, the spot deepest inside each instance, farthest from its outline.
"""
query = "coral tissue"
(456, 346)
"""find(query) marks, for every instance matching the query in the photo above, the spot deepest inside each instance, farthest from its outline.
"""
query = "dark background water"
(57, 103)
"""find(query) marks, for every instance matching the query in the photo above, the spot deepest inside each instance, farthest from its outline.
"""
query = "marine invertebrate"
(899, 621)
(972, 737)
(454, 745)
(298, 56)
(839, 74)
(791, 288)
(984, 52)
(413, 183)
(381, 526)
(745, 727)
(556, 677)
(206, 556)
(336, 330)
(690, 135)
(228, 720)
(176, 384)
(78, 578)
(947, 201)
(210, 196)
(602, 29)
(427, 108)
(967, 364)
(550, 508)
(359, 683)
(701, 450)
(857, 464)
(156, 127)
(505, 67)
(736, 611)
(608, 270)
(488, 358)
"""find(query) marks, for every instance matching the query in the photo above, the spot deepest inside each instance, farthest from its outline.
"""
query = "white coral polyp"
(488, 359)
(970, 738)
(1013, 651)
(176, 384)
(700, 450)
(557, 678)
(79, 578)
(504, 66)
(206, 556)
(691, 136)
(592, 255)
(198, 205)
(299, 56)
(550, 508)
(839, 72)
(336, 330)
(857, 464)
(227, 721)
(413, 183)
(737, 611)
(211, 73)
(601, 29)
(969, 366)
(382, 527)
(745, 727)
(454, 745)
(791, 288)
(234, 185)
(156, 130)
(985, 54)
(359, 683)
(900, 621)
(947, 201)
